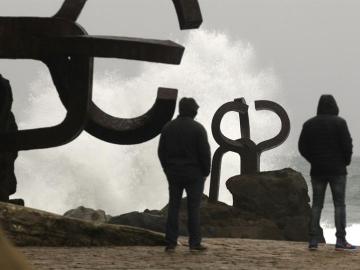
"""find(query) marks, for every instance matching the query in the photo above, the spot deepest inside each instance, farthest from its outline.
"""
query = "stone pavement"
(222, 254)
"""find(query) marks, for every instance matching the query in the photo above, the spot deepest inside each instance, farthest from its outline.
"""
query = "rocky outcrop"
(88, 214)
(281, 196)
(152, 220)
(268, 205)
(30, 227)
(217, 219)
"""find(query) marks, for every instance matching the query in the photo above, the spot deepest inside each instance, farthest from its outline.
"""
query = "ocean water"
(352, 199)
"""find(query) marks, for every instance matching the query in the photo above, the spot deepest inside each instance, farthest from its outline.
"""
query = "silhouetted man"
(325, 142)
(7, 159)
(184, 154)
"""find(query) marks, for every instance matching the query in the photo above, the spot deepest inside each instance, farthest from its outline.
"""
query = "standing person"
(8, 181)
(325, 142)
(185, 157)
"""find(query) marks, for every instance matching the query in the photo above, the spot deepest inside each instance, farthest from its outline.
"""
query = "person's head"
(188, 107)
(327, 105)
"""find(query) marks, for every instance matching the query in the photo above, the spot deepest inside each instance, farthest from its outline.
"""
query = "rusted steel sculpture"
(68, 51)
(249, 151)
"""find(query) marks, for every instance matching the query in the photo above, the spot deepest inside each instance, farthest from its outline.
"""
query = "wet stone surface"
(222, 254)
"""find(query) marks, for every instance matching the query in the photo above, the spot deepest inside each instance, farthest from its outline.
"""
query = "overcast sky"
(309, 47)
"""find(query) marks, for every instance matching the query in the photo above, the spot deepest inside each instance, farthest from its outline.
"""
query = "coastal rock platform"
(222, 254)
(31, 227)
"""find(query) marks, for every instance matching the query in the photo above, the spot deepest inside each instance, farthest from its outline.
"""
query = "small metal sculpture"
(68, 51)
(249, 151)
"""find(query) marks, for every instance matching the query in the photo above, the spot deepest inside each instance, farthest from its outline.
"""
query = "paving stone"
(222, 254)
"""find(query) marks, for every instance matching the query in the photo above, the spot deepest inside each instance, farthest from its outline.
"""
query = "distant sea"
(352, 200)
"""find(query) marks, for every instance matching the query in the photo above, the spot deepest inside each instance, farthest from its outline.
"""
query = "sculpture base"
(281, 196)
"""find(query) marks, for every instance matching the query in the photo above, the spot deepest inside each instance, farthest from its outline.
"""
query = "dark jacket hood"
(327, 105)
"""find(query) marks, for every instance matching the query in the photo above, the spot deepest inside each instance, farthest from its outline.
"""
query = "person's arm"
(204, 153)
(303, 144)
(346, 143)
(161, 150)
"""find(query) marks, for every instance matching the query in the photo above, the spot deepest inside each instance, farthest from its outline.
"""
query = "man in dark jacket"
(7, 159)
(184, 154)
(325, 142)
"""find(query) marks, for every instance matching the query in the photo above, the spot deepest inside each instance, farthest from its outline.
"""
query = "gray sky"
(310, 47)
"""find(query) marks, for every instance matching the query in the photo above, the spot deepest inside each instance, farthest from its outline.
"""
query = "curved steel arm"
(151, 50)
(107, 127)
(220, 138)
(20, 39)
(71, 9)
(68, 52)
(143, 128)
(285, 124)
(134, 130)
(215, 174)
(79, 95)
(189, 13)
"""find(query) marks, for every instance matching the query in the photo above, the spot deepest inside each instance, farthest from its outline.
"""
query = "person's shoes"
(313, 244)
(198, 248)
(344, 245)
(170, 248)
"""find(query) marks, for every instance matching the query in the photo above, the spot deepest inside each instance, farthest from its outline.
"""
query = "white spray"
(119, 178)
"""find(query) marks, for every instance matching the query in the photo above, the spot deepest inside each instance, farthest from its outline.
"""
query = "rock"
(281, 196)
(88, 214)
(31, 227)
(221, 220)
(269, 205)
(150, 221)
(217, 220)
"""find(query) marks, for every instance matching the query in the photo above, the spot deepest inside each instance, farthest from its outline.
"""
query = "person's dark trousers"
(194, 189)
(338, 186)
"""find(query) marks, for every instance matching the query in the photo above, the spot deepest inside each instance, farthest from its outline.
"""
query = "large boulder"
(88, 214)
(217, 220)
(152, 220)
(281, 196)
(31, 227)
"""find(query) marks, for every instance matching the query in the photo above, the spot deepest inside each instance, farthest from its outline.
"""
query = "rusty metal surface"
(68, 51)
(249, 151)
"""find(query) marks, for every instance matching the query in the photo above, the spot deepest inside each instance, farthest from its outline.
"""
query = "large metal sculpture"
(249, 151)
(68, 52)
